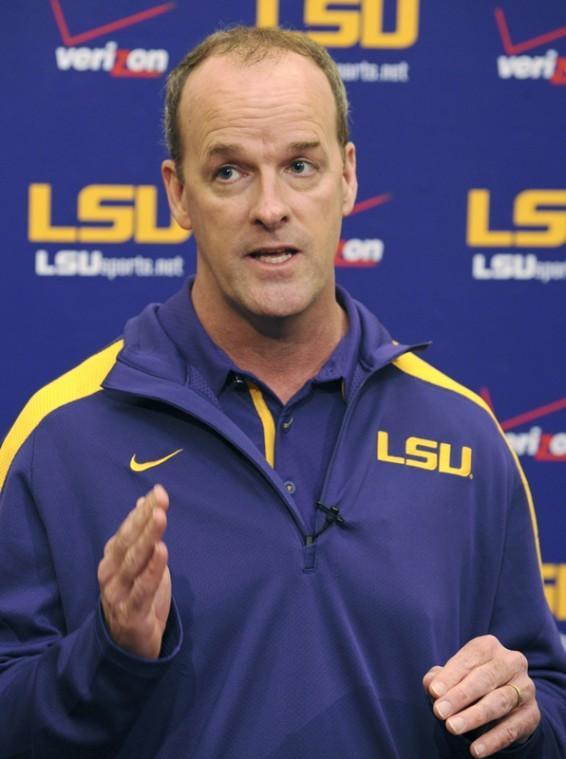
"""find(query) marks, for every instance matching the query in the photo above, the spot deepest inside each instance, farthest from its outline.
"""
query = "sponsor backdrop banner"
(459, 234)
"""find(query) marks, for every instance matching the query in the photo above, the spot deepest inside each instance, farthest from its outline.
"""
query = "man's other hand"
(134, 579)
(485, 685)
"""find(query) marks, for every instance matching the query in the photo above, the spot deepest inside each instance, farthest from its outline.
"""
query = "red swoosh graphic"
(536, 413)
(100, 31)
(365, 205)
(527, 416)
(521, 47)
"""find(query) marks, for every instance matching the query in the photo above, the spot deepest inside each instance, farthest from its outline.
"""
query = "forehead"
(285, 94)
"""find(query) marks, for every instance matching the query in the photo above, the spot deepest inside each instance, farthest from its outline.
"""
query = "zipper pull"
(332, 515)
(309, 553)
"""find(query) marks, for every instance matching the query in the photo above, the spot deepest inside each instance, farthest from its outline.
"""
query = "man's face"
(265, 185)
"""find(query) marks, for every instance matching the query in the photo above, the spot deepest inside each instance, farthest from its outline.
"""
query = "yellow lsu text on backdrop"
(123, 212)
(362, 22)
(554, 576)
(545, 210)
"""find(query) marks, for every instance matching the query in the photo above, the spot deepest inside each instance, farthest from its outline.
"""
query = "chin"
(273, 313)
(279, 305)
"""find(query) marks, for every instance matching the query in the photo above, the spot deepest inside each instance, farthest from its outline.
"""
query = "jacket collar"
(157, 348)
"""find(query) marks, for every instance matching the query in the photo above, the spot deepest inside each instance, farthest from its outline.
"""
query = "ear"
(175, 190)
(349, 179)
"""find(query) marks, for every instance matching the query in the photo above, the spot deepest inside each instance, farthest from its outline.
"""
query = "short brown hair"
(251, 45)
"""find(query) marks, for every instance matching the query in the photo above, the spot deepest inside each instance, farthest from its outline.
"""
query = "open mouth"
(274, 255)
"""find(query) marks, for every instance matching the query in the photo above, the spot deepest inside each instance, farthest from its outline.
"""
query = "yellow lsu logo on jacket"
(122, 212)
(426, 454)
(362, 22)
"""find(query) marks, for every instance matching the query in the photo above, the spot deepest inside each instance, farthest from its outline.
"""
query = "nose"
(269, 208)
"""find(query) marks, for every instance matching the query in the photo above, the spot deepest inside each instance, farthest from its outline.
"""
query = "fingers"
(458, 686)
(479, 686)
(428, 678)
(493, 706)
(517, 726)
(480, 666)
(136, 558)
(146, 521)
(134, 579)
(146, 584)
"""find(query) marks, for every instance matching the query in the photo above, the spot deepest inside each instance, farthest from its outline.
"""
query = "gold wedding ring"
(519, 695)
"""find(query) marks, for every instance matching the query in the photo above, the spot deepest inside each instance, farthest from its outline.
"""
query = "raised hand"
(134, 579)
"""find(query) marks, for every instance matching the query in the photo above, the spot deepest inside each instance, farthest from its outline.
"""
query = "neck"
(283, 353)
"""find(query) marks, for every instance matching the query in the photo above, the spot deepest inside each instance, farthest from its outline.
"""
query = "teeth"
(273, 258)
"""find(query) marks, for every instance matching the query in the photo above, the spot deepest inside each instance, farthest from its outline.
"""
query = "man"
(312, 579)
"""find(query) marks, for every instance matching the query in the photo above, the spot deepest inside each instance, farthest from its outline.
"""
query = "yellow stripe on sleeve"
(267, 422)
(416, 367)
(85, 379)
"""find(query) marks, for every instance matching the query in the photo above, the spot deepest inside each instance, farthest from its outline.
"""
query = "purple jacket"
(283, 642)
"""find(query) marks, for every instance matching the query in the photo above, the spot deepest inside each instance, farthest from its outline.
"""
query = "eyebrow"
(225, 149)
(299, 147)
(221, 149)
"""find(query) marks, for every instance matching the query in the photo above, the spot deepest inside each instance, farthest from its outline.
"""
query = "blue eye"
(302, 167)
(226, 173)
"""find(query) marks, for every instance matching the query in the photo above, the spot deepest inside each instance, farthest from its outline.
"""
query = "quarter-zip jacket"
(283, 642)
